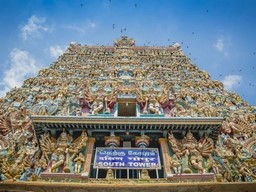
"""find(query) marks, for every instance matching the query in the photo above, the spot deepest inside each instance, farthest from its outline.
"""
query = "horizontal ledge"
(127, 120)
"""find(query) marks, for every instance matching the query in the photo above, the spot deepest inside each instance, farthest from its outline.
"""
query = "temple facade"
(129, 116)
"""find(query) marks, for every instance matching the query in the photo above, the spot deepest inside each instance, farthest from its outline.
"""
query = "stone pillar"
(88, 158)
(166, 157)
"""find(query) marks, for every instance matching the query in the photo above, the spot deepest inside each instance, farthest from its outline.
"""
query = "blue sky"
(218, 35)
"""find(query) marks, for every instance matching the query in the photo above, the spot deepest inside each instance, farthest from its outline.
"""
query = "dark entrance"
(126, 108)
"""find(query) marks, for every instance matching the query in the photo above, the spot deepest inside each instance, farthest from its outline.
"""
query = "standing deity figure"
(78, 144)
(85, 104)
(154, 105)
(212, 164)
(62, 152)
(167, 101)
(78, 163)
(192, 153)
(59, 155)
(175, 144)
(171, 105)
(40, 165)
(149, 104)
(110, 101)
(97, 105)
(176, 164)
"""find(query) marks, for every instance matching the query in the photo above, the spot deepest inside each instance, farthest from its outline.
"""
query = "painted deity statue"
(154, 106)
(61, 153)
(149, 104)
(95, 103)
(78, 163)
(192, 151)
(176, 164)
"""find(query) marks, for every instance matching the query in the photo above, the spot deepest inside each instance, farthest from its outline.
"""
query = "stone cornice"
(129, 120)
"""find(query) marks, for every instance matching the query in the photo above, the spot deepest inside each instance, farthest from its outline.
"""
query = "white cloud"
(82, 28)
(219, 45)
(232, 81)
(56, 51)
(22, 66)
(34, 27)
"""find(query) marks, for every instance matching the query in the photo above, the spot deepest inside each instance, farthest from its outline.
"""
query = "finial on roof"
(124, 41)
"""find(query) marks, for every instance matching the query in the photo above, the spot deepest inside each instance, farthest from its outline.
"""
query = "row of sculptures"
(153, 98)
(231, 158)
(22, 158)
(186, 90)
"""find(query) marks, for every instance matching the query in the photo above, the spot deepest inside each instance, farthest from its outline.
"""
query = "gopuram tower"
(129, 116)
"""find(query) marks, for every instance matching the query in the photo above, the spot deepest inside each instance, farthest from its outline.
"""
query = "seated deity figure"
(144, 174)
(105, 103)
(112, 74)
(229, 127)
(110, 174)
(139, 75)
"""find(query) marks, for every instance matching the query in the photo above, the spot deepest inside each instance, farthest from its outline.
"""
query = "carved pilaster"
(88, 159)
(142, 141)
(112, 141)
(165, 154)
